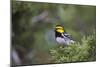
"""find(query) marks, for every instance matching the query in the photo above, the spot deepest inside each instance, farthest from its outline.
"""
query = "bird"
(62, 37)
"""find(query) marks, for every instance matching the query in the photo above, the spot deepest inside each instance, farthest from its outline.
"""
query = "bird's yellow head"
(59, 29)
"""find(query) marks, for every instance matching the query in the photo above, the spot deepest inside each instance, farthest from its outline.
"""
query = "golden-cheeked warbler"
(62, 37)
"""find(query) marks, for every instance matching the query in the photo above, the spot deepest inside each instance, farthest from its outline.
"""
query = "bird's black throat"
(57, 34)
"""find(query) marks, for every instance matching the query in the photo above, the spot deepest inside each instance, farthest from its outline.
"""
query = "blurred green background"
(32, 28)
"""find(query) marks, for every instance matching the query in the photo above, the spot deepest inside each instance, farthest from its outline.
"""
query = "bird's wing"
(66, 36)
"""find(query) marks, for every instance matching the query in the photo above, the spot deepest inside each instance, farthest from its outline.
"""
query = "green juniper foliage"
(79, 51)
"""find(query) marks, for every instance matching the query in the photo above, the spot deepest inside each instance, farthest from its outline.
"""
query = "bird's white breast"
(63, 41)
